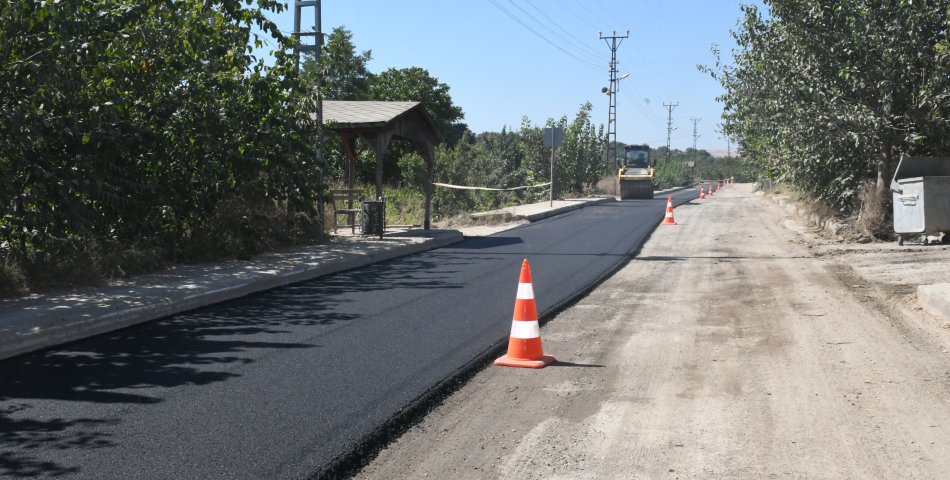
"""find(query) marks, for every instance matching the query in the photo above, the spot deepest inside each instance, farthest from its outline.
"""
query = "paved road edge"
(557, 211)
(52, 335)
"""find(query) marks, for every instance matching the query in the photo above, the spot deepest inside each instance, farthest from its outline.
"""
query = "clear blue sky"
(499, 70)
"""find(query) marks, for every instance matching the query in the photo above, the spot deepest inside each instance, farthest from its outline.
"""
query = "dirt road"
(726, 349)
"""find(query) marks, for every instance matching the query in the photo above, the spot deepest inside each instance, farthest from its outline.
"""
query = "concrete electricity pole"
(695, 136)
(669, 126)
(613, 42)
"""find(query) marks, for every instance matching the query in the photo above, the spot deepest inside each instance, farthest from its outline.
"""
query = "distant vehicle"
(636, 174)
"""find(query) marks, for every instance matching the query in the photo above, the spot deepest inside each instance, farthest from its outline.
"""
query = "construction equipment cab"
(636, 173)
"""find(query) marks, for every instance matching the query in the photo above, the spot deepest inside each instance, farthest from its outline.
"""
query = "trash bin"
(921, 197)
(374, 217)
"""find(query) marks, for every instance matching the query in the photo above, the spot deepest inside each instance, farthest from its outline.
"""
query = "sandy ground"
(736, 345)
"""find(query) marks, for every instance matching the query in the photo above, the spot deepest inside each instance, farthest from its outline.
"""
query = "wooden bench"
(351, 200)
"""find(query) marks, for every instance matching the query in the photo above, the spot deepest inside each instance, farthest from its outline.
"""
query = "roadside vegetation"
(827, 95)
(500, 160)
(136, 135)
(676, 172)
(506, 159)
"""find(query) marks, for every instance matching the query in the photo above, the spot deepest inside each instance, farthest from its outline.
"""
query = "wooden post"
(349, 146)
(382, 143)
(430, 167)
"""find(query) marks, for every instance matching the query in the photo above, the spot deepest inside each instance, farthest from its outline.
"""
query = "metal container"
(374, 217)
(921, 194)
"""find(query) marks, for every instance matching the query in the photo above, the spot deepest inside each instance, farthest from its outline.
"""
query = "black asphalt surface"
(278, 384)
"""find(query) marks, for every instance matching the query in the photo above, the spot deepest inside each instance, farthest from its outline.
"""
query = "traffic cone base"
(509, 361)
(524, 343)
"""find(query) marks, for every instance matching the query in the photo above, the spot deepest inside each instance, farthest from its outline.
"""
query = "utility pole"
(613, 42)
(669, 126)
(695, 136)
(316, 33)
(317, 49)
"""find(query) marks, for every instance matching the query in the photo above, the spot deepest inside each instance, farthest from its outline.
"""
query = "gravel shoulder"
(737, 344)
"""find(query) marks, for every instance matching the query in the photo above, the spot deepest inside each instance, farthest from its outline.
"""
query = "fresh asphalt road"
(278, 384)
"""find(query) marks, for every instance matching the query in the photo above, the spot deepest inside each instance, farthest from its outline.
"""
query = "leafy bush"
(144, 126)
(829, 94)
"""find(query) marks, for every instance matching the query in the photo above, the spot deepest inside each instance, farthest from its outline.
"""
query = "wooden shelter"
(378, 123)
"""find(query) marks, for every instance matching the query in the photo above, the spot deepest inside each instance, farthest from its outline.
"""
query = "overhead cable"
(542, 37)
(578, 43)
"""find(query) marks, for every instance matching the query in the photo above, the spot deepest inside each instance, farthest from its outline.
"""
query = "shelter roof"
(362, 115)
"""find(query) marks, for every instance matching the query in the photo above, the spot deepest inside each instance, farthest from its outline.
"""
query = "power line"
(542, 37)
(576, 42)
(583, 5)
(637, 99)
(640, 105)
(646, 71)
(574, 14)
(602, 6)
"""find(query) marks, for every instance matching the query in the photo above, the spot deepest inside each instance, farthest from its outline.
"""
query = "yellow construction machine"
(635, 178)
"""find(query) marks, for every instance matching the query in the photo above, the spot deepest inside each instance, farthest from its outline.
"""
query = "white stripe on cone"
(523, 329)
(525, 291)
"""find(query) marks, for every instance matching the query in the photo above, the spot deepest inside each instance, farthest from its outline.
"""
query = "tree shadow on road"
(52, 402)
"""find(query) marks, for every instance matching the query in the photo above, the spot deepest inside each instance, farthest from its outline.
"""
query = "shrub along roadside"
(828, 95)
(135, 134)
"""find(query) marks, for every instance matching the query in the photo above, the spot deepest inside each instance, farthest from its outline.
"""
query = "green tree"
(417, 85)
(579, 164)
(535, 156)
(827, 95)
(344, 75)
(144, 126)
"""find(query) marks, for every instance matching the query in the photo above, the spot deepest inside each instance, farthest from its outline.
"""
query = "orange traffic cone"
(669, 212)
(719, 186)
(702, 194)
(524, 343)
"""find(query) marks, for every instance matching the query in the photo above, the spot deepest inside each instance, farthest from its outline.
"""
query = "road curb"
(504, 215)
(827, 223)
(61, 329)
(511, 213)
(567, 208)
(935, 299)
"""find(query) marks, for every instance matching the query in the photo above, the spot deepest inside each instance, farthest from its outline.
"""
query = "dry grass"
(606, 186)
(873, 216)
(773, 188)
(817, 207)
